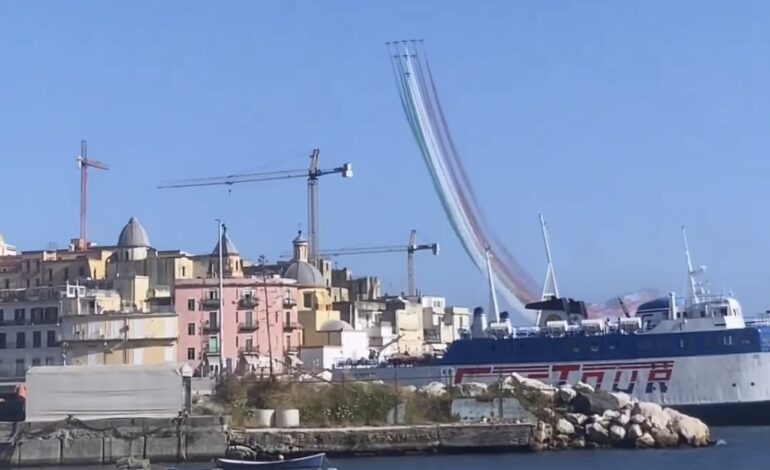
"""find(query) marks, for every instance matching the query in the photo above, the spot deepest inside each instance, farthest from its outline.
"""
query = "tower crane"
(312, 174)
(84, 163)
(411, 248)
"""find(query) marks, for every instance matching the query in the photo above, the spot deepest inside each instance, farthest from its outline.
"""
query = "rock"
(562, 441)
(409, 389)
(592, 445)
(645, 442)
(610, 415)
(578, 443)
(434, 389)
(563, 426)
(654, 414)
(595, 432)
(624, 418)
(566, 393)
(542, 432)
(582, 387)
(623, 399)
(472, 389)
(576, 418)
(634, 432)
(664, 438)
(638, 419)
(131, 463)
(617, 433)
(692, 431)
(590, 403)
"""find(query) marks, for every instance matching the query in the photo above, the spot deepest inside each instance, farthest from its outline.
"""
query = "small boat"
(310, 462)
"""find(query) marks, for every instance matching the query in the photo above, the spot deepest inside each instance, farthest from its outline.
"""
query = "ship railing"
(757, 322)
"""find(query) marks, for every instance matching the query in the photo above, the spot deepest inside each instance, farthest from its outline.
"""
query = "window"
(249, 320)
(20, 367)
(249, 344)
(190, 354)
(236, 342)
(37, 282)
(184, 271)
(27, 283)
(81, 271)
(18, 316)
(2, 340)
(66, 274)
(36, 339)
(2, 316)
(191, 305)
(7, 283)
(20, 340)
(308, 300)
(191, 329)
(49, 361)
(35, 361)
(50, 274)
(51, 338)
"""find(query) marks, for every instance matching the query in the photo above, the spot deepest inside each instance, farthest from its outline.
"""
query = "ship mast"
(494, 313)
(691, 273)
(549, 286)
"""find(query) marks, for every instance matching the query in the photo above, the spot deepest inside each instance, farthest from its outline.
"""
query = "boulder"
(654, 414)
(593, 403)
(597, 433)
(582, 387)
(434, 389)
(576, 418)
(409, 389)
(692, 431)
(638, 419)
(472, 389)
(623, 399)
(578, 443)
(623, 419)
(617, 433)
(664, 438)
(645, 442)
(566, 393)
(563, 426)
(634, 432)
(610, 415)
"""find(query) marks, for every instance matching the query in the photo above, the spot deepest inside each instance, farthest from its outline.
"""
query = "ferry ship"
(696, 354)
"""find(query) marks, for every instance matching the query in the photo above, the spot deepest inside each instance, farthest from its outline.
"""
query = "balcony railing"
(210, 327)
(248, 326)
(248, 301)
(248, 350)
(289, 302)
(292, 326)
(207, 303)
(211, 349)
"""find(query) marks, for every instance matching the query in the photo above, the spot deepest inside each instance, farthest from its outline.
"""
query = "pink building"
(259, 321)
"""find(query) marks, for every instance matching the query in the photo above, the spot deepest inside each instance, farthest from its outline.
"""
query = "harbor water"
(744, 447)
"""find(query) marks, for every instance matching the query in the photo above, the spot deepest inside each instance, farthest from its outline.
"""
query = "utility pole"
(221, 230)
(267, 317)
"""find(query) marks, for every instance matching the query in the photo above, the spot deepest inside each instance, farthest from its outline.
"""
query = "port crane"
(84, 163)
(313, 173)
(410, 249)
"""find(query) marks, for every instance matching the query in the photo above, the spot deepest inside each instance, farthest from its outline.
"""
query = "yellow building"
(314, 305)
(99, 327)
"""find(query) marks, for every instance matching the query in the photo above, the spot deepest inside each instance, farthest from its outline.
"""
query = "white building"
(6, 249)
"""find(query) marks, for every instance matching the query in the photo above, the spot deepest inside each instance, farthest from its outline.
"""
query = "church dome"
(305, 274)
(133, 235)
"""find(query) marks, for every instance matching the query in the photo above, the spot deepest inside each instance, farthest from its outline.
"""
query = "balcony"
(292, 326)
(210, 327)
(289, 302)
(248, 301)
(248, 350)
(248, 326)
(211, 349)
(208, 303)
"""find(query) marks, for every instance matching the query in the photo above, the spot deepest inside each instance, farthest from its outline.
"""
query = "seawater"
(745, 447)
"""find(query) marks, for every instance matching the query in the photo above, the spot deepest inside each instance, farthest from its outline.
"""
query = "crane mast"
(84, 163)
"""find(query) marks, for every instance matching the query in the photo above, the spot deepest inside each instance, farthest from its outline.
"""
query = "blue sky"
(620, 121)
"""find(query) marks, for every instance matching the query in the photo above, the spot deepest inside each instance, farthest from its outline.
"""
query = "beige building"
(406, 318)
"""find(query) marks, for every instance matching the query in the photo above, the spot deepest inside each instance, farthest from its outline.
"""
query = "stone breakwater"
(580, 417)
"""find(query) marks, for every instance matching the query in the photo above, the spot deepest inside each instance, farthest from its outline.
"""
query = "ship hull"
(726, 389)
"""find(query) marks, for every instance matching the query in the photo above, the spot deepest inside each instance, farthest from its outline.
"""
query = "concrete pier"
(388, 439)
(74, 442)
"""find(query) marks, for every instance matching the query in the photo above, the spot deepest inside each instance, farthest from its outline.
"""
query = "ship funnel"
(479, 325)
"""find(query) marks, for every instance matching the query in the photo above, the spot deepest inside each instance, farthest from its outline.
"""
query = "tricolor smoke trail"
(425, 116)
(421, 105)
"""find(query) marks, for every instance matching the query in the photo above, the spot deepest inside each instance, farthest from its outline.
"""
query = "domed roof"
(227, 246)
(133, 235)
(305, 274)
(335, 325)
